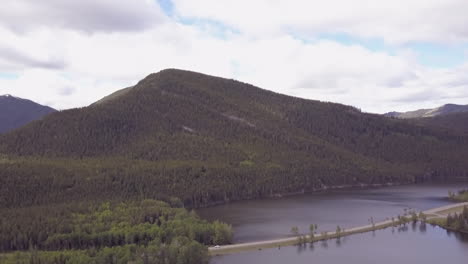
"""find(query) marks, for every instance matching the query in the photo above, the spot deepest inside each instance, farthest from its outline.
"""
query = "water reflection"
(462, 237)
(412, 243)
(273, 218)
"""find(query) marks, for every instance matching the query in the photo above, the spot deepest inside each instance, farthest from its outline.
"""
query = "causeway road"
(259, 245)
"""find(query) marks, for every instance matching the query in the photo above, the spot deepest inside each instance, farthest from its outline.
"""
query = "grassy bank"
(456, 220)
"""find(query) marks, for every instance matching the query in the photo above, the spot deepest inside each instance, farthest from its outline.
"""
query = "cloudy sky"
(377, 55)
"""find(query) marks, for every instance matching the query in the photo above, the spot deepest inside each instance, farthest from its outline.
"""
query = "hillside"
(208, 140)
(16, 112)
(457, 122)
(439, 111)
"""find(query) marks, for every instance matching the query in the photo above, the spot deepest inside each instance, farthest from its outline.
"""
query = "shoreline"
(326, 188)
(290, 241)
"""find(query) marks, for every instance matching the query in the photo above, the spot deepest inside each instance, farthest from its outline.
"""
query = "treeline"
(75, 226)
(27, 182)
(458, 222)
(150, 227)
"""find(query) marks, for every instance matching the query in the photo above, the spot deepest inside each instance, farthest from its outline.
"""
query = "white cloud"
(92, 66)
(84, 15)
(38, 49)
(395, 21)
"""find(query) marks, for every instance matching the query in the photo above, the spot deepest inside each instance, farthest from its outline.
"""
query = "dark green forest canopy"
(208, 140)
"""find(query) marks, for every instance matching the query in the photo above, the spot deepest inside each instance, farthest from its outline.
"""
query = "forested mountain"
(16, 112)
(457, 122)
(207, 140)
(439, 111)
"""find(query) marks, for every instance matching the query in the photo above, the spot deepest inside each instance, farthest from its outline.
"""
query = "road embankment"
(281, 242)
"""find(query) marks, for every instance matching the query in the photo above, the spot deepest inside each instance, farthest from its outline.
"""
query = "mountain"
(210, 140)
(16, 112)
(457, 122)
(439, 111)
(113, 95)
(447, 117)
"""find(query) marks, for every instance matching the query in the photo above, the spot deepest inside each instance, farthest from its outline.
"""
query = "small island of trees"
(461, 196)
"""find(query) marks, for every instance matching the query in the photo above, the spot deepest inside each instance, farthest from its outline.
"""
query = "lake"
(273, 218)
(410, 244)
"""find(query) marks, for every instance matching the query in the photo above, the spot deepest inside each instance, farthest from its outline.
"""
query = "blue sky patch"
(213, 27)
(428, 54)
(8, 76)
(373, 44)
(167, 7)
(440, 56)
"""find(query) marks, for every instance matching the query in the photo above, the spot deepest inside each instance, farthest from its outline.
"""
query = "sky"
(376, 55)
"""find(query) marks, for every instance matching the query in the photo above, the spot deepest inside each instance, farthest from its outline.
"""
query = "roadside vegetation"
(313, 236)
(454, 221)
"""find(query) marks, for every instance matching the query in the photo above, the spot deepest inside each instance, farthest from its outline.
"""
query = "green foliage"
(109, 233)
(178, 252)
(461, 196)
(422, 217)
(295, 230)
(458, 222)
(247, 163)
(414, 217)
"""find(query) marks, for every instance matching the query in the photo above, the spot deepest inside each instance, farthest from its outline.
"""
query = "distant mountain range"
(439, 111)
(208, 140)
(16, 112)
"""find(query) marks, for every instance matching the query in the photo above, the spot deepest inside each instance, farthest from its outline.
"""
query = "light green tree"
(295, 230)
(312, 229)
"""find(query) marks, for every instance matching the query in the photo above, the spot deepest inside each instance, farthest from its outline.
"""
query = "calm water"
(273, 218)
(413, 244)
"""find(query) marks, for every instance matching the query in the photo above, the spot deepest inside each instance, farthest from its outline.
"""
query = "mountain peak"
(162, 79)
(16, 112)
(174, 73)
(9, 96)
